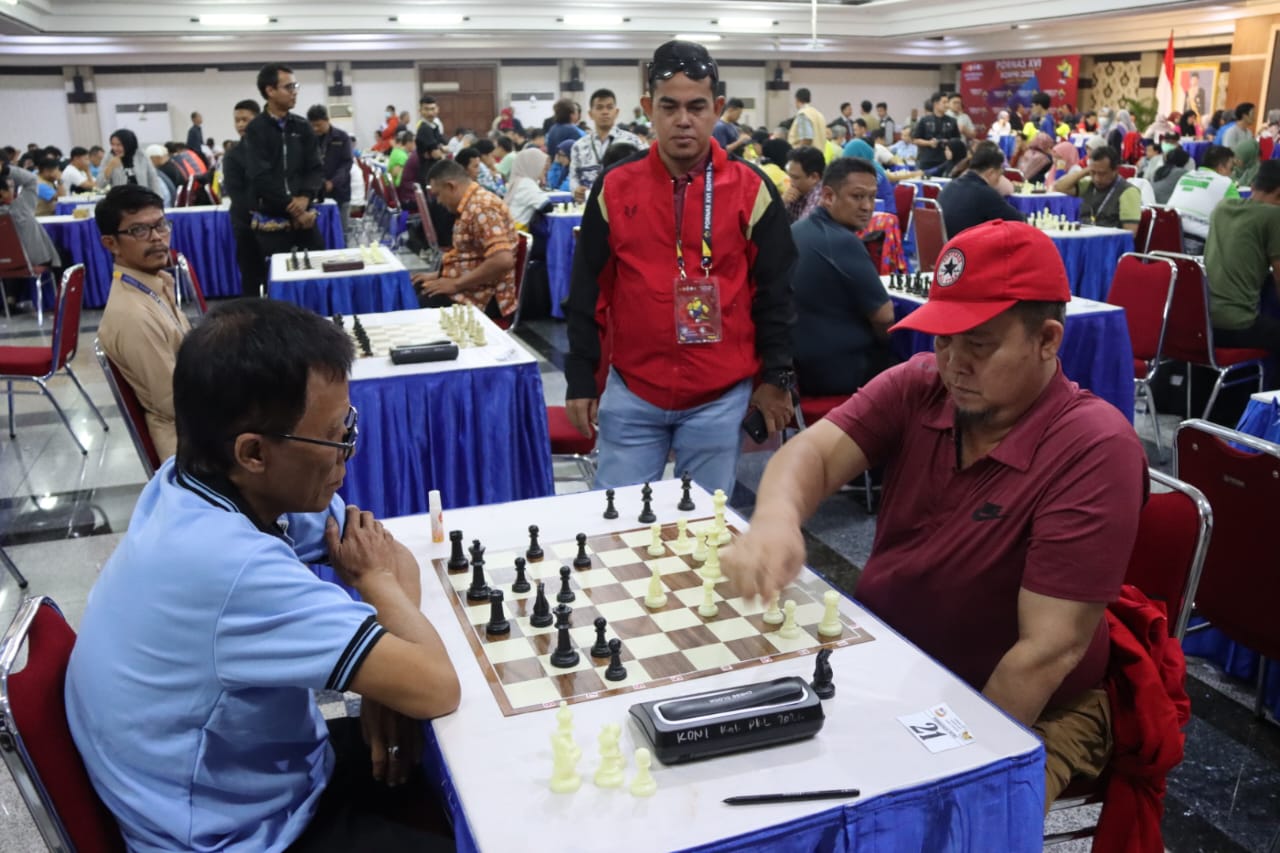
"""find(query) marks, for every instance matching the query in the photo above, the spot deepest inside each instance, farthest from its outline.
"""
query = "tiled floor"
(63, 513)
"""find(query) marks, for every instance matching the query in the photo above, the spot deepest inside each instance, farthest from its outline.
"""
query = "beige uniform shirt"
(141, 337)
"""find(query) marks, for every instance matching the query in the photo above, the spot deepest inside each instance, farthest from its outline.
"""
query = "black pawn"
(457, 559)
(535, 551)
(498, 623)
(565, 655)
(293, 259)
(541, 616)
(565, 595)
(601, 648)
(616, 671)
(610, 511)
(479, 589)
(646, 511)
(521, 583)
(306, 259)
(582, 561)
(822, 684)
(686, 499)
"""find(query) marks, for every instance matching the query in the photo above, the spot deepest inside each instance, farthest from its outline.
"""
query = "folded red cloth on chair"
(1149, 706)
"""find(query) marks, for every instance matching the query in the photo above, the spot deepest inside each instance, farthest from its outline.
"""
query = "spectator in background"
(506, 147)
(955, 109)
(387, 130)
(128, 166)
(525, 196)
(1198, 193)
(1036, 161)
(164, 164)
(76, 176)
(887, 125)
(564, 126)
(845, 119)
(195, 137)
(1042, 115)
(96, 156)
(336, 157)
(807, 127)
(859, 149)
(235, 186)
(587, 153)
(773, 161)
(22, 207)
(728, 132)
(429, 139)
(1242, 128)
(869, 119)
(805, 166)
(399, 155)
(932, 132)
(837, 139)
(1164, 179)
(48, 186)
(1001, 126)
(489, 177)
(972, 198)
(558, 174)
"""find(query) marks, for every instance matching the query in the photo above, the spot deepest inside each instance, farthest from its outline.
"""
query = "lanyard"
(130, 280)
(596, 151)
(1105, 199)
(707, 193)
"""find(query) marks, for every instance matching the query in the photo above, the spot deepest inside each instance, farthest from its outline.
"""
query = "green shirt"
(397, 158)
(1244, 240)
(1128, 206)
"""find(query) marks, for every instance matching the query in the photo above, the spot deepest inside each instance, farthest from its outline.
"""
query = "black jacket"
(937, 127)
(427, 140)
(968, 201)
(280, 161)
(235, 184)
(335, 158)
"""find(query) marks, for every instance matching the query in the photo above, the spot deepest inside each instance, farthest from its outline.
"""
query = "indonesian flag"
(1164, 88)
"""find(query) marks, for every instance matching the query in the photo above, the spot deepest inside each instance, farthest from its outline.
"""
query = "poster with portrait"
(1195, 88)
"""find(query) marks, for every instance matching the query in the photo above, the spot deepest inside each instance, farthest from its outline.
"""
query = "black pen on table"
(793, 797)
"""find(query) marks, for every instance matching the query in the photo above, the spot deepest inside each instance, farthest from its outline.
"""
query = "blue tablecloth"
(479, 436)
(560, 197)
(354, 294)
(1058, 205)
(1091, 261)
(1196, 150)
(69, 205)
(560, 258)
(80, 240)
(1095, 352)
(1008, 144)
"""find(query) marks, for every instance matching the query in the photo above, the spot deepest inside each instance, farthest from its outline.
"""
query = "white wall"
(744, 82)
(35, 110)
(902, 90)
(623, 81)
(528, 78)
(371, 90)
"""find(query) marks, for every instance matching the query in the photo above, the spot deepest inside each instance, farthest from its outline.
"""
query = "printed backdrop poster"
(997, 84)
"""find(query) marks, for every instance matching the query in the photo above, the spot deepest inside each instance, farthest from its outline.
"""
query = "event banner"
(998, 84)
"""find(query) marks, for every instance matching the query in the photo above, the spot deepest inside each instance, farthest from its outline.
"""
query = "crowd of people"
(742, 279)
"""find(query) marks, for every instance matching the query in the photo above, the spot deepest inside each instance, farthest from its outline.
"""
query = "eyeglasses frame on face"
(164, 226)
(289, 87)
(349, 438)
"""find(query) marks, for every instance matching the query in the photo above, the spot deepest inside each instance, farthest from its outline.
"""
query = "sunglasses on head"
(694, 69)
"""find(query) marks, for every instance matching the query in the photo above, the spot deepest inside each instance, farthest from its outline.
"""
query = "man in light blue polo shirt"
(190, 689)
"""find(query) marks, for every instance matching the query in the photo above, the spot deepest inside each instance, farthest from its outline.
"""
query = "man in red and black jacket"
(686, 252)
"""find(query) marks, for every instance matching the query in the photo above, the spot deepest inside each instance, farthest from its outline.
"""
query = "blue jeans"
(636, 437)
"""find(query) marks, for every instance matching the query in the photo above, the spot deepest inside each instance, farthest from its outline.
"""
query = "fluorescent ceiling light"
(698, 37)
(593, 20)
(238, 19)
(434, 19)
(746, 25)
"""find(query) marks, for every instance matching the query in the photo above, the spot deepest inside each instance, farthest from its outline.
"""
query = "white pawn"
(718, 500)
(830, 626)
(478, 337)
(708, 607)
(564, 770)
(656, 598)
(656, 548)
(773, 614)
(700, 546)
(790, 629)
(643, 785)
(711, 568)
(564, 731)
(609, 774)
(681, 545)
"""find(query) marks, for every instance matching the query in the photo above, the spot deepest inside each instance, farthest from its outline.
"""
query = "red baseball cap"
(985, 270)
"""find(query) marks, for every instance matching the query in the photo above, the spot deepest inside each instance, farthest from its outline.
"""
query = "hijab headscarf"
(775, 151)
(1123, 119)
(1038, 158)
(524, 197)
(1175, 159)
(1068, 154)
(859, 148)
(1247, 154)
(129, 142)
(507, 122)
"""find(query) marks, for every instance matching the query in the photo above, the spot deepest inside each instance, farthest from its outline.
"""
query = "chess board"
(385, 337)
(674, 643)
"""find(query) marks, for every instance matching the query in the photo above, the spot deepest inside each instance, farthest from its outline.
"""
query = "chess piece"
(535, 552)
(498, 623)
(565, 656)
(822, 684)
(773, 614)
(711, 568)
(541, 615)
(306, 259)
(700, 545)
(479, 589)
(457, 560)
(656, 596)
(293, 259)
(564, 754)
(565, 595)
(582, 561)
(610, 511)
(610, 772)
(616, 671)
(708, 608)
(646, 511)
(830, 626)
(601, 648)
(686, 500)
(656, 547)
(521, 583)
(681, 545)
(721, 531)
(643, 785)
(790, 628)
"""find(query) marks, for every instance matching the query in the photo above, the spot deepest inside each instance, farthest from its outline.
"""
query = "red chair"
(904, 198)
(36, 740)
(14, 263)
(1014, 176)
(567, 444)
(188, 285)
(1126, 171)
(1239, 588)
(134, 416)
(1143, 286)
(524, 245)
(39, 364)
(1266, 145)
(1188, 333)
(931, 233)
(1131, 147)
(1163, 231)
(875, 248)
(930, 190)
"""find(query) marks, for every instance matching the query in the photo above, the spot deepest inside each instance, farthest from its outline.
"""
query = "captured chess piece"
(541, 615)
(457, 559)
(643, 785)
(535, 551)
(686, 500)
(521, 583)
(498, 623)
(822, 684)
(610, 511)
(646, 510)
(582, 561)
(566, 594)
(610, 772)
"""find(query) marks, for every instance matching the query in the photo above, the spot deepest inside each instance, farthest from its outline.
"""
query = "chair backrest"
(1014, 176)
(1240, 476)
(66, 325)
(931, 232)
(424, 213)
(875, 248)
(134, 416)
(1166, 231)
(929, 189)
(1143, 286)
(904, 198)
(524, 243)
(1187, 333)
(13, 255)
(1266, 145)
(1142, 237)
(186, 277)
(1168, 556)
(389, 194)
(35, 740)
(1127, 171)
(193, 191)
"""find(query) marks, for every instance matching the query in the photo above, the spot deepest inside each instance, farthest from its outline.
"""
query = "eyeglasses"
(292, 87)
(143, 231)
(694, 69)
(348, 443)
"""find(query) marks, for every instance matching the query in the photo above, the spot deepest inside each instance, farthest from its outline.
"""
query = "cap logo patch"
(950, 267)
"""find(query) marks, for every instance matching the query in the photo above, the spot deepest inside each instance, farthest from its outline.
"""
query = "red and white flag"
(1164, 88)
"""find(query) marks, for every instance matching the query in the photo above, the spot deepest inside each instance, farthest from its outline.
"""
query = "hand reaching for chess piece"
(766, 558)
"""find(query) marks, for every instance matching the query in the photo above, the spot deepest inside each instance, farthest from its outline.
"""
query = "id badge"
(698, 317)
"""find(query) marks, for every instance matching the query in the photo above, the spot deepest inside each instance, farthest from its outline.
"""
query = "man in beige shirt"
(142, 325)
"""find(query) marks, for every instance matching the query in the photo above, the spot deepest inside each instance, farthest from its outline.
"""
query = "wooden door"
(467, 95)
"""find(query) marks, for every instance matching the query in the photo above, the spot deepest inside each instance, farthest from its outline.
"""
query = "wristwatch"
(782, 377)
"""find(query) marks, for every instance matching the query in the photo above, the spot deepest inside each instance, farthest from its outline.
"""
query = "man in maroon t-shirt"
(1011, 497)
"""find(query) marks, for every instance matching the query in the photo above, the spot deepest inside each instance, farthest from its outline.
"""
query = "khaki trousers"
(1077, 741)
